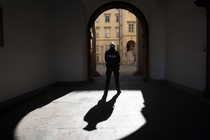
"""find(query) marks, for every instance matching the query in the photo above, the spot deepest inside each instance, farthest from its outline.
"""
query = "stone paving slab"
(63, 118)
(153, 111)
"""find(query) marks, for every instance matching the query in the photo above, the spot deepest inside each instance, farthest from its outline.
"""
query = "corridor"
(47, 54)
(142, 111)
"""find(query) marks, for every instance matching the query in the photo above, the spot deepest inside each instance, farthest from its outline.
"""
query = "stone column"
(95, 73)
(139, 46)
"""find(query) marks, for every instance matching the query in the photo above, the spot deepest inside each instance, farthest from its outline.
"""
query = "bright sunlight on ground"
(67, 117)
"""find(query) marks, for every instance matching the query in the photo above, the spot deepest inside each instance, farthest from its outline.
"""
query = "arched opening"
(131, 52)
(143, 37)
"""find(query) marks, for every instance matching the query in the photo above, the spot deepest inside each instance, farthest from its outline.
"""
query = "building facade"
(118, 26)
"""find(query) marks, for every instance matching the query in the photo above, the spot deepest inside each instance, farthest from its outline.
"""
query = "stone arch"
(130, 45)
(144, 71)
(131, 48)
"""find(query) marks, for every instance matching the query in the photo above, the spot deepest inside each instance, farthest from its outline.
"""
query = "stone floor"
(143, 111)
(63, 118)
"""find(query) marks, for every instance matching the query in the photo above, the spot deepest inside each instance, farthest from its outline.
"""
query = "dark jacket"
(112, 58)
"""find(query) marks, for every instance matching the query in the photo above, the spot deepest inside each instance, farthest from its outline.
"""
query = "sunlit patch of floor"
(63, 119)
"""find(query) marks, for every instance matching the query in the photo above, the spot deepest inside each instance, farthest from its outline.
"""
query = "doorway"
(141, 44)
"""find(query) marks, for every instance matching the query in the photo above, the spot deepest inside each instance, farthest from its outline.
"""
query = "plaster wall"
(144, 5)
(26, 60)
(71, 37)
(157, 41)
(185, 44)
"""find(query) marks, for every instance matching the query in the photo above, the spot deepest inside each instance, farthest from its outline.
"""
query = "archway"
(143, 62)
(131, 47)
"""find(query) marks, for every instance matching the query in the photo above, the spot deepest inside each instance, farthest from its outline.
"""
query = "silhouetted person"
(100, 112)
(112, 58)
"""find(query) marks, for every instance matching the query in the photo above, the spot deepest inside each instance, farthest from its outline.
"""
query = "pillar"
(93, 58)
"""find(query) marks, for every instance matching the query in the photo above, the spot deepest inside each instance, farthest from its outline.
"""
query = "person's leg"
(117, 82)
(108, 77)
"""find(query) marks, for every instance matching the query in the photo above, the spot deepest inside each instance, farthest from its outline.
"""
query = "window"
(107, 47)
(97, 58)
(117, 32)
(97, 32)
(117, 18)
(97, 48)
(107, 31)
(107, 18)
(130, 27)
(121, 32)
(118, 47)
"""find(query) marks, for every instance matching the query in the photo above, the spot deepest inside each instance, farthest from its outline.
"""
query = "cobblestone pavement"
(143, 111)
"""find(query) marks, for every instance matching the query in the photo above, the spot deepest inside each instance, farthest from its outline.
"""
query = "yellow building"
(118, 26)
(128, 37)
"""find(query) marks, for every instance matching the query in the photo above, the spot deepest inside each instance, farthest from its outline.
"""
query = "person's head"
(112, 45)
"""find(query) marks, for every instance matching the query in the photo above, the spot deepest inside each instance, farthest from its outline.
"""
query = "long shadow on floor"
(100, 112)
(172, 115)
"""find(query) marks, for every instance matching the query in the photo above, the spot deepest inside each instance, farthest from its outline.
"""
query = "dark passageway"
(47, 46)
(142, 111)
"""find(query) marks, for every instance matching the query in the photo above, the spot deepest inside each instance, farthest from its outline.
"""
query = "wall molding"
(13, 101)
(178, 86)
(16, 100)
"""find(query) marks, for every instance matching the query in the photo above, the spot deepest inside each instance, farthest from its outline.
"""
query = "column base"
(96, 74)
(205, 97)
(206, 94)
(137, 73)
